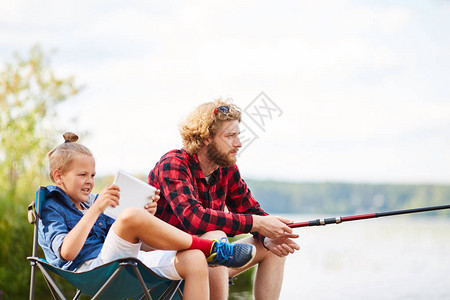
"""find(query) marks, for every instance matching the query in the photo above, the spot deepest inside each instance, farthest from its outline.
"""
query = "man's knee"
(265, 256)
(273, 257)
(269, 262)
(214, 235)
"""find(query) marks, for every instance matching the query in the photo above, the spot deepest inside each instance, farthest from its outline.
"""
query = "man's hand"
(282, 245)
(271, 226)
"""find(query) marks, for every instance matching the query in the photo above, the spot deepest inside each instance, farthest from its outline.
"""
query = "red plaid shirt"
(191, 203)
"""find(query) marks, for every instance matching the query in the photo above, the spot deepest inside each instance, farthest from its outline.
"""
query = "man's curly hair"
(203, 123)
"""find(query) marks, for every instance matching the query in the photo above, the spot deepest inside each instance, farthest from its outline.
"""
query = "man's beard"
(220, 158)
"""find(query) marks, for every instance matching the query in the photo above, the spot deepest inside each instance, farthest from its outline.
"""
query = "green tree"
(29, 93)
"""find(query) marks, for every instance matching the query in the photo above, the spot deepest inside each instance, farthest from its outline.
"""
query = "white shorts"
(162, 262)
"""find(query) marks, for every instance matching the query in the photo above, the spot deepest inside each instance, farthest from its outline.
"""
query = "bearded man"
(202, 193)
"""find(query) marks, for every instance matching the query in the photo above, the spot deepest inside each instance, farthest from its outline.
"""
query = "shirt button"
(100, 223)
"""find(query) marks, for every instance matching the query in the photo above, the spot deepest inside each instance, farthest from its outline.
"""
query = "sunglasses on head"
(223, 109)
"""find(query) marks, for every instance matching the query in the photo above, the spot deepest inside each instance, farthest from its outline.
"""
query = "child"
(76, 235)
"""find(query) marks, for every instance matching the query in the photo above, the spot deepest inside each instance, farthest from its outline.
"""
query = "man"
(203, 193)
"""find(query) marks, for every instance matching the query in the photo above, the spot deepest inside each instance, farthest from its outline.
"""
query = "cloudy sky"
(353, 91)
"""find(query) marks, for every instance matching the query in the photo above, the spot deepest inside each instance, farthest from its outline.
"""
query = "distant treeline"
(346, 198)
(337, 198)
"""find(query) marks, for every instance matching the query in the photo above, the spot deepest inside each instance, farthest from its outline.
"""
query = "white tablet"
(133, 193)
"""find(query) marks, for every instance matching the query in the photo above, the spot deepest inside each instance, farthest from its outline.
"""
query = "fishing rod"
(338, 220)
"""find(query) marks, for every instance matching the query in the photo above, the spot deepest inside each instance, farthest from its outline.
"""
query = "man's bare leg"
(269, 275)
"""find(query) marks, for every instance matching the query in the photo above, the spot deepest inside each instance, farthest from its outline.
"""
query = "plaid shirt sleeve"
(194, 207)
(240, 199)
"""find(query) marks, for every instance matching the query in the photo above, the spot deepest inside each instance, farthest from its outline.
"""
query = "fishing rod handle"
(317, 222)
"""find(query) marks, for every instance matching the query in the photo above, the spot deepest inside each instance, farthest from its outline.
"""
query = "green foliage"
(29, 91)
(242, 287)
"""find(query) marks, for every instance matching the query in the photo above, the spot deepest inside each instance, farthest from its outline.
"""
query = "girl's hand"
(151, 207)
(73, 242)
(109, 196)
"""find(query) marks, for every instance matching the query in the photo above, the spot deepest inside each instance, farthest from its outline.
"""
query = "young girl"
(76, 235)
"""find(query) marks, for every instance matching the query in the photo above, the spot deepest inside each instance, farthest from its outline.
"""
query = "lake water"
(398, 257)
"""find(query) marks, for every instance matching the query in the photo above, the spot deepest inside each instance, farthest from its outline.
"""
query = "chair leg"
(52, 290)
(77, 295)
(108, 282)
(171, 290)
(180, 293)
(141, 281)
(33, 275)
(51, 284)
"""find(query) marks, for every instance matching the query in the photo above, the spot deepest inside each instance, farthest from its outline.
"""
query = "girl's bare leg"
(136, 225)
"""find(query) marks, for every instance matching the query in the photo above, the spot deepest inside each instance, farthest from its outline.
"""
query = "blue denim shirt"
(58, 217)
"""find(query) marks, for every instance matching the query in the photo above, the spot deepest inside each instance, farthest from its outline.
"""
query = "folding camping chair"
(121, 279)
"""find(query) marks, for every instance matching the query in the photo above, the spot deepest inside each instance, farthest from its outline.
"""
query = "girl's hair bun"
(62, 156)
(70, 137)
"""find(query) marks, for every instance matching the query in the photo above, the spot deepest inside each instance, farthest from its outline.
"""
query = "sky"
(332, 90)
